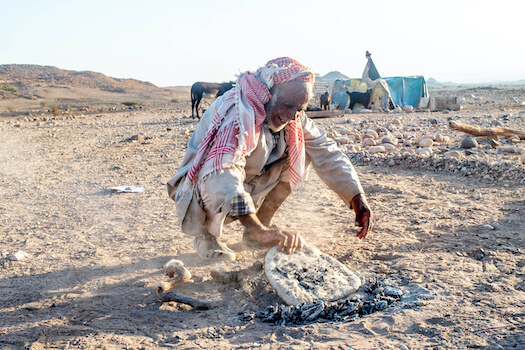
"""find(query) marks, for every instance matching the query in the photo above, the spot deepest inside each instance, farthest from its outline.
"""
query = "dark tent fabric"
(407, 90)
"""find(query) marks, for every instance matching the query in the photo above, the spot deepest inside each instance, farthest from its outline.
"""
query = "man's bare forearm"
(252, 223)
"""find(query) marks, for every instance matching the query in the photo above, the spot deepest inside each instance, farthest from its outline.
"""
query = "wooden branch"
(489, 132)
(325, 114)
(178, 275)
(197, 304)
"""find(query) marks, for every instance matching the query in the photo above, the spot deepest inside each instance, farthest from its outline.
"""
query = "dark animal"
(359, 97)
(200, 89)
(325, 101)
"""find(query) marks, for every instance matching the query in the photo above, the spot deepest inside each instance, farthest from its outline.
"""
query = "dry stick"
(178, 275)
(197, 304)
(490, 132)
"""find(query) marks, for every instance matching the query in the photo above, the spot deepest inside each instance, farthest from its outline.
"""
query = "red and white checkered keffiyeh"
(235, 128)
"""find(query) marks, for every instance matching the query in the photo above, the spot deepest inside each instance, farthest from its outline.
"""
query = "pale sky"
(177, 42)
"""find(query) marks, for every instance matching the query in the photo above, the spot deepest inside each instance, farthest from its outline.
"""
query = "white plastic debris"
(19, 255)
(127, 189)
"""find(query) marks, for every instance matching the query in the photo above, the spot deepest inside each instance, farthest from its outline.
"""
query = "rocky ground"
(79, 262)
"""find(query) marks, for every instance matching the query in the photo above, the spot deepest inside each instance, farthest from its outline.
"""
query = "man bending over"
(249, 151)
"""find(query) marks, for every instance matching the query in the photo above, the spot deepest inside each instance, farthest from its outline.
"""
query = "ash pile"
(373, 296)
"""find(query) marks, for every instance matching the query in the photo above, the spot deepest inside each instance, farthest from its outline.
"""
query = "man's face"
(287, 102)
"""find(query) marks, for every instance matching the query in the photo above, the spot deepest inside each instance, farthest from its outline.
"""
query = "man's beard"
(269, 121)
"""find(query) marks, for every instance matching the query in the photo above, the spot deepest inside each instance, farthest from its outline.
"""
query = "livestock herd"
(213, 90)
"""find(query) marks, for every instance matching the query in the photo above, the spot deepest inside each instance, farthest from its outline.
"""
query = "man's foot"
(211, 247)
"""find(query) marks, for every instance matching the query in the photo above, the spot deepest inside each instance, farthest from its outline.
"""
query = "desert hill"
(26, 88)
(329, 77)
(23, 75)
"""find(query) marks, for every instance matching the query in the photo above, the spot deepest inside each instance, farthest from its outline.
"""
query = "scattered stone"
(371, 134)
(344, 131)
(408, 109)
(490, 227)
(515, 139)
(393, 291)
(369, 142)
(493, 143)
(388, 146)
(454, 108)
(342, 140)
(507, 149)
(31, 307)
(389, 139)
(426, 142)
(425, 151)
(376, 149)
(353, 148)
(469, 142)
(397, 110)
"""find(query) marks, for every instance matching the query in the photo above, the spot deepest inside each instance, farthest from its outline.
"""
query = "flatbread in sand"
(308, 275)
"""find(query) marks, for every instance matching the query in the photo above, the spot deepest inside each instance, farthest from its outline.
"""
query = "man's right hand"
(288, 241)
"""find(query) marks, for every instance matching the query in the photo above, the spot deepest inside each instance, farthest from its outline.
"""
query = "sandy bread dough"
(308, 275)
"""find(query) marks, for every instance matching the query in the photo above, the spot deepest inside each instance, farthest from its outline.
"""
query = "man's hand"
(363, 215)
(288, 241)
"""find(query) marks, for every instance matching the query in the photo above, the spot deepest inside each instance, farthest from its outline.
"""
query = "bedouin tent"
(407, 90)
(385, 93)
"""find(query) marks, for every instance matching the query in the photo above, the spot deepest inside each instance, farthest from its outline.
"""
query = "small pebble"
(369, 142)
(388, 146)
(393, 291)
(342, 140)
(454, 154)
(376, 149)
(469, 142)
(426, 142)
(371, 133)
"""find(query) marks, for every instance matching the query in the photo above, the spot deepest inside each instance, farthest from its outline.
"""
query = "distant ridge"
(334, 75)
(28, 75)
(431, 82)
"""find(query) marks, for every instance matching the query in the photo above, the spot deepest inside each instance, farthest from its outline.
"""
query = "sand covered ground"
(449, 228)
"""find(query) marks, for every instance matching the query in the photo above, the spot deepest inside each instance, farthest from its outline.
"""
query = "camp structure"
(374, 92)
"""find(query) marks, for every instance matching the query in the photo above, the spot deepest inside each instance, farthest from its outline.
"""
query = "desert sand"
(453, 228)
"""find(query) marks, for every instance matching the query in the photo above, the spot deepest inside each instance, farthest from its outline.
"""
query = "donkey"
(201, 89)
(325, 101)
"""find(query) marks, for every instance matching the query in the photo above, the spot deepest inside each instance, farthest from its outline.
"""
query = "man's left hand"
(363, 215)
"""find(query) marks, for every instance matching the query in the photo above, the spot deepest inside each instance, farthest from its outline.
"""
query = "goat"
(325, 101)
(201, 89)
(359, 97)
